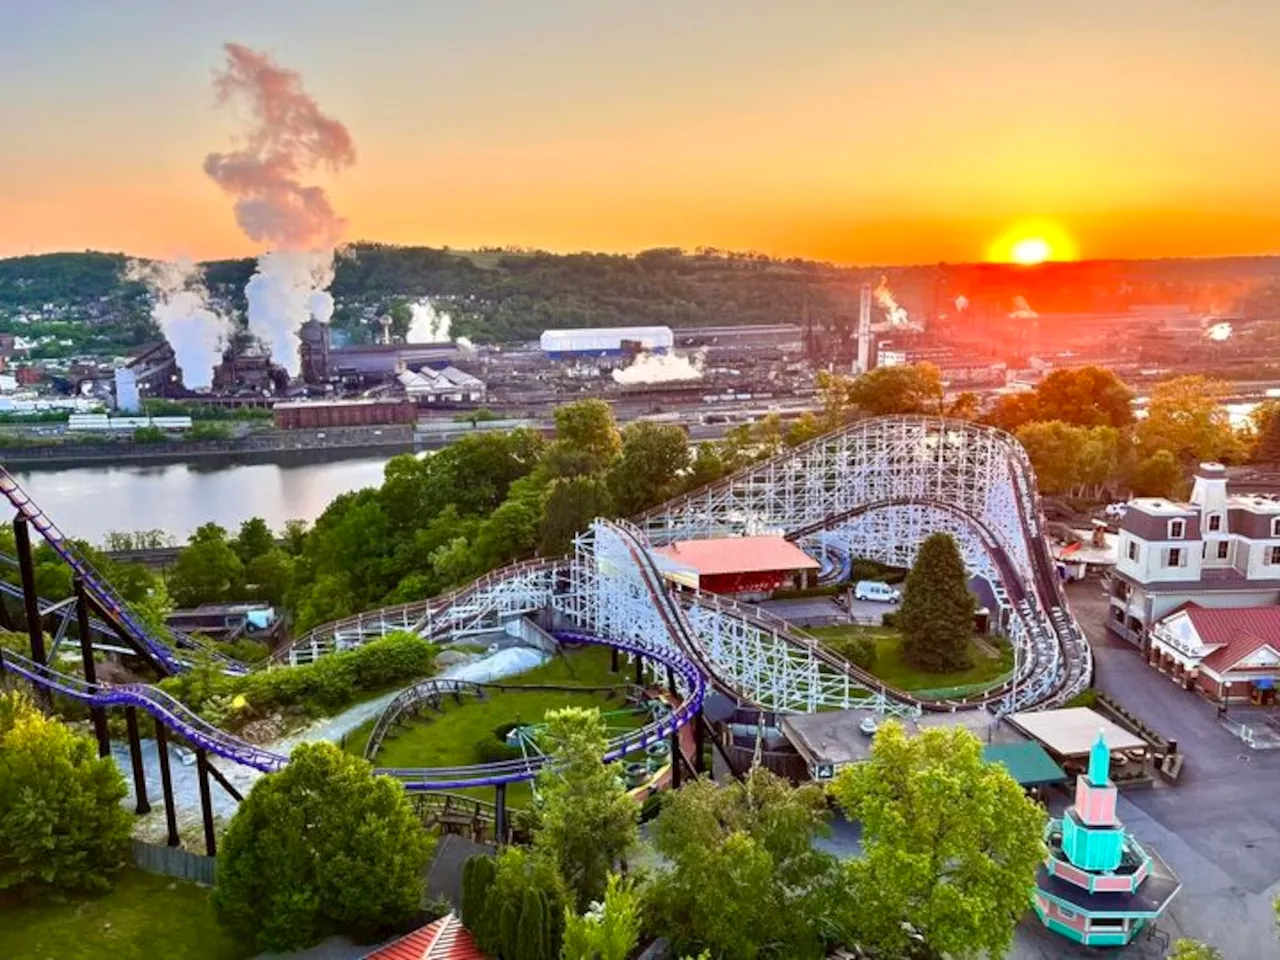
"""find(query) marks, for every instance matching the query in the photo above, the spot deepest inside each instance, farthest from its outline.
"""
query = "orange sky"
(840, 130)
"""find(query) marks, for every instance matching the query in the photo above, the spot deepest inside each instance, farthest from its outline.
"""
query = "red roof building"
(445, 939)
(1231, 654)
(740, 566)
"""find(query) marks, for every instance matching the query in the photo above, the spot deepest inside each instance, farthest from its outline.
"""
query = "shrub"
(397, 656)
(890, 619)
(62, 827)
(321, 847)
(502, 907)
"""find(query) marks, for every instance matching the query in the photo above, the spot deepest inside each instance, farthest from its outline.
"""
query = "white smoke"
(287, 290)
(290, 136)
(1219, 331)
(465, 345)
(661, 368)
(182, 312)
(962, 303)
(884, 296)
(429, 325)
(1022, 310)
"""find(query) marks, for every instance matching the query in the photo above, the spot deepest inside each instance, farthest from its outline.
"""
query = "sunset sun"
(1033, 242)
(1031, 250)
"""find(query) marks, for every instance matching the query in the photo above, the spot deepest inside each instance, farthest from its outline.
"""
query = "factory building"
(322, 414)
(444, 387)
(606, 342)
(373, 363)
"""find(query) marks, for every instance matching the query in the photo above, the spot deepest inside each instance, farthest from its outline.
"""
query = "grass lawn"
(893, 670)
(450, 738)
(146, 916)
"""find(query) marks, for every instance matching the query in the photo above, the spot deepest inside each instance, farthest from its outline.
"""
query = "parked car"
(877, 591)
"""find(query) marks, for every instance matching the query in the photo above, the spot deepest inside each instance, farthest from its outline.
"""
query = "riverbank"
(386, 440)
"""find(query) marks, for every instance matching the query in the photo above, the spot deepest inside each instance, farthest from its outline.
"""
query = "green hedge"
(324, 686)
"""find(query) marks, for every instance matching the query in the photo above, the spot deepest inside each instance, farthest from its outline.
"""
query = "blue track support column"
(96, 714)
(699, 766)
(166, 785)
(135, 755)
(639, 670)
(206, 802)
(500, 814)
(613, 659)
(677, 758)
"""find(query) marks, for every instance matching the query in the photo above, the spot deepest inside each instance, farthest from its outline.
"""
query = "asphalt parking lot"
(818, 611)
(1218, 826)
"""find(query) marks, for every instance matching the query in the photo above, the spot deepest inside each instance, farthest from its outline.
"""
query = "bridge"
(873, 489)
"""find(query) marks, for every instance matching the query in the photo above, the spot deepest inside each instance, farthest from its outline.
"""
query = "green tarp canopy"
(1028, 763)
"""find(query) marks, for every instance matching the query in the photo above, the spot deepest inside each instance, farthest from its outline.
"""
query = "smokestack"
(864, 330)
(290, 136)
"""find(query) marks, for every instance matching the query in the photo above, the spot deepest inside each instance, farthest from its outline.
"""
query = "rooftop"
(1159, 507)
(835, 736)
(739, 555)
(1233, 634)
(1071, 731)
(445, 939)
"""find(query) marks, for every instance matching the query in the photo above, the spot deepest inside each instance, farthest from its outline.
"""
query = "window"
(1275, 556)
(1107, 923)
(1175, 557)
(1223, 549)
(1275, 527)
(1133, 550)
(1215, 521)
(1177, 529)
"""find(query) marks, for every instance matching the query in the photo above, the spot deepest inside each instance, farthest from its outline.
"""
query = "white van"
(877, 591)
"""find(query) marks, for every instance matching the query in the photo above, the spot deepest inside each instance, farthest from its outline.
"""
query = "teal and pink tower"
(1098, 886)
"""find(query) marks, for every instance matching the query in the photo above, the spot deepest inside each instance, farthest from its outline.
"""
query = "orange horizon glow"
(613, 128)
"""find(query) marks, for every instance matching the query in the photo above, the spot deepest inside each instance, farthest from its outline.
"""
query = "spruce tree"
(937, 610)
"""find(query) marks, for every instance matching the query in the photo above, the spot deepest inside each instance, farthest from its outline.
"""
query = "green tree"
(295, 536)
(586, 819)
(269, 576)
(648, 471)
(207, 571)
(966, 406)
(1085, 397)
(1014, 410)
(497, 923)
(1185, 416)
(745, 879)
(951, 844)
(907, 388)
(609, 930)
(571, 504)
(1266, 432)
(320, 847)
(937, 609)
(587, 439)
(803, 429)
(62, 828)
(1159, 475)
(1184, 949)
(1055, 449)
(254, 540)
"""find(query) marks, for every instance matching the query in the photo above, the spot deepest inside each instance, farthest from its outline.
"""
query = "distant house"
(1216, 551)
(1231, 655)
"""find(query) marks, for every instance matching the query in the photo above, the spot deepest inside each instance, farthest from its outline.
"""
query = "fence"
(174, 862)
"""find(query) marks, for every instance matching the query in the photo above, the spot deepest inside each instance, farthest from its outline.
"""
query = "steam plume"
(289, 136)
(181, 311)
(661, 368)
(1219, 331)
(1022, 310)
(884, 296)
(428, 325)
(962, 303)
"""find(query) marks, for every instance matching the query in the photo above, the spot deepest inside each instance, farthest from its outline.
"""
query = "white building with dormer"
(1218, 551)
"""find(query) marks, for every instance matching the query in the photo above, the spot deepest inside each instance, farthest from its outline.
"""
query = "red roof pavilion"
(445, 939)
(741, 564)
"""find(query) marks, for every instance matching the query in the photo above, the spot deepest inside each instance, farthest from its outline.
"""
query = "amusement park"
(687, 680)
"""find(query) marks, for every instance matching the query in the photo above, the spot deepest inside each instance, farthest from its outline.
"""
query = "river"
(87, 502)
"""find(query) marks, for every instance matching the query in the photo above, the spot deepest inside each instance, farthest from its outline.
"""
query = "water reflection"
(89, 501)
